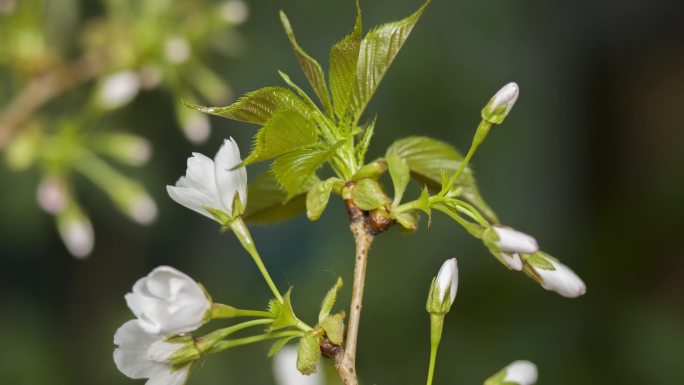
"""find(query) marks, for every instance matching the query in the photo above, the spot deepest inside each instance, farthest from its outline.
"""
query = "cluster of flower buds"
(168, 304)
(519, 251)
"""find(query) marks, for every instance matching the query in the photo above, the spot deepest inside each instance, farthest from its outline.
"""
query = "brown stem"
(46, 87)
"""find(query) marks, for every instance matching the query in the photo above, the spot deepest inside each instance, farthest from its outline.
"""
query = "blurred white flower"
(286, 373)
(521, 373)
(210, 183)
(118, 89)
(143, 355)
(7, 6)
(168, 301)
(195, 126)
(177, 50)
(143, 209)
(234, 11)
(513, 241)
(448, 278)
(52, 194)
(563, 280)
(76, 232)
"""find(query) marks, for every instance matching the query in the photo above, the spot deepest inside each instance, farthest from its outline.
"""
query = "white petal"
(521, 372)
(513, 241)
(201, 176)
(160, 351)
(563, 280)
(286, 373)
(170, 376)
(507, 95)
(230, 181)
(448, 277)
(190, 198)
(513, 261)
(131, 355)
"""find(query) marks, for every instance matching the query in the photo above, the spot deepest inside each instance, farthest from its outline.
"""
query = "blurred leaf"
(400, 174)
(428, 157)
(285, 131)
(310, 66)
(343, 59)
(329, 300)
(378, 49)
(293, 169)
(317, 198)
(259, 106)
(368, 195)
(267, 202)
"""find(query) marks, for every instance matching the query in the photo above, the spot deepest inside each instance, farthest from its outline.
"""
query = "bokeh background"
(590, 161)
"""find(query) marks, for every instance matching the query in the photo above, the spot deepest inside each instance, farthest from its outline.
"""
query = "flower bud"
(177, 50)
(142, 209)
(517, 372)
(510, 241)
(168, 301)
(443, 289)
(52, 194)
(234, 11)
(124, 147)
(561, 279)
(76, 231)
(118, 89)
(501, 104)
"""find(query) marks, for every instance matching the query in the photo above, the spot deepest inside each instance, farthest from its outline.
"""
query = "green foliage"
(334, 328)
(368, 195)
(428, 158)
(310, 66)
(408, 220)
(285, 131)
(309, 353)
(293, 169)
(283, 315)
(400, 174)
(329, 300)
(343, 61)
(317, 198)
(267, 203)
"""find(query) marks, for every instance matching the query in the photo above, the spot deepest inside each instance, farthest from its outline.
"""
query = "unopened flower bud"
(234, 11)
(76, 232)
(444, 287)
(52, 194)
(501, 104)
(195, 125)
(561, 279)
(517, 372)
(118, 89)
(177, 50)
(142, 209)
(509, 240)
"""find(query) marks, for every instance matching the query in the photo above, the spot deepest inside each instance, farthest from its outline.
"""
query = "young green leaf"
(285, 131)
(408, 220)
(428, 158)
(329, 300)
(308, 353)
(293, 169)
(368, 195)
(364, 143)
(343, 60)
(317, 198)
(268, 203)
(334, 328)
(400, 174)
(259, 106)
(310, 66)
(378, 49)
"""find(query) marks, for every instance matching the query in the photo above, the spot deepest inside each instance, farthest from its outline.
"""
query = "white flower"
(521, 372)
(562, 280)
(139, 355)
(234, 11)
(196, 126)
(118, 89)
(286, 373)
(168, 301)
(513, 241)
(143, 209)
(177, 50)
(210, 183)
(448, 278)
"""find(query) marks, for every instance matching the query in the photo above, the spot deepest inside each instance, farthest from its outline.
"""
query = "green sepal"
(434, 304)
(494, 116)
(188, 352)
(279, 344)
(268, 203)
(334, 328)
(259, 106)
(408, 220)
(372, 170)
(400, 174)
(309, 352)
(310, 67)
(285, 131)
(539, 260)
(329, 300)
(498, 379)
(219, 215)
(368, 195)
(283, 314)
(429, 158)
(317, 198)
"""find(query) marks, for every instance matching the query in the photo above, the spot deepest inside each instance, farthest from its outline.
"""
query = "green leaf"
(317, 198)
(408, 220)
(364, 143)
(368, 195)
(283, 314)
(285, 131)
(343, 60)
(310, 66)
(428, 158)
(400, 174)
(268, 203)
(308, 353)
(334, 328)
(329, 300)
(259, 106)
(279, 344)
(376, 53)
(293, 169)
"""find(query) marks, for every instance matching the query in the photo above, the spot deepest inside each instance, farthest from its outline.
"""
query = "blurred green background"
(590, 161)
